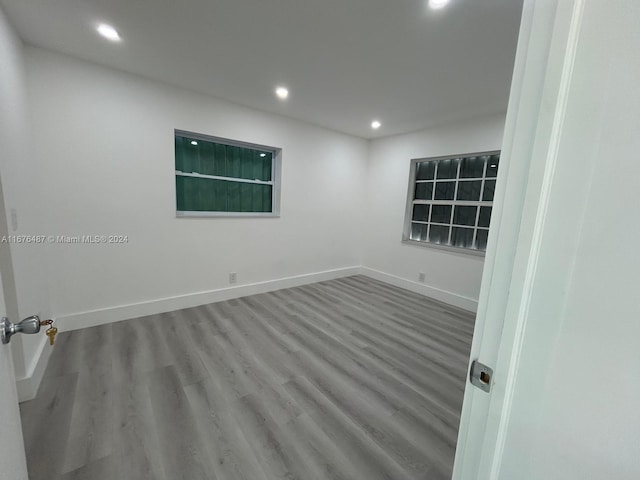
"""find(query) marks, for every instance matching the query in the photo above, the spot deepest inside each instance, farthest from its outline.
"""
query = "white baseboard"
(123, 312)
(28, 386)
(450, 298)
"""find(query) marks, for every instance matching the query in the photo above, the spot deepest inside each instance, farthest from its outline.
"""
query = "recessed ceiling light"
(263, 154)
(108, 32)
(437, 4)
(376, 124)
(193, 142)
(282, 93)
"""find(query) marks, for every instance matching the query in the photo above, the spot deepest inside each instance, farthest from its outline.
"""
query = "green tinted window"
(212, 176)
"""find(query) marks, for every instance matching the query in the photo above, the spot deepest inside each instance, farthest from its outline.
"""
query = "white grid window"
(450, 201)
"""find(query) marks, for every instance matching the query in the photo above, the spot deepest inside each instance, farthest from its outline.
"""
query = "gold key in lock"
(51, 333)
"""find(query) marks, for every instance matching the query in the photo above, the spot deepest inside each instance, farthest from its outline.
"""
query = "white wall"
(104, 145)
(23, 269)
(450, 277)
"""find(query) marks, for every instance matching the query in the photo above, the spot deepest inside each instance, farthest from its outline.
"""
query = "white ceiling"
(345, 62)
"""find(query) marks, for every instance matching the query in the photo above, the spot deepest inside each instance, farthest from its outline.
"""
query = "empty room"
(350, 240)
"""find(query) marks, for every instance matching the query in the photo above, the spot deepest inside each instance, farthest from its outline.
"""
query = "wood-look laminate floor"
(344, 379)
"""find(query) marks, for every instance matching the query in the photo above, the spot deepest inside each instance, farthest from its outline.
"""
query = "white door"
(561, 288)
(13, 464)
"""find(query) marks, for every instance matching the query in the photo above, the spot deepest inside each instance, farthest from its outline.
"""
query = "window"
(450, 200)
(218, 177)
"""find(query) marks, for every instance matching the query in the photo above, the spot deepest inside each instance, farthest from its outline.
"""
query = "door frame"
(535, 119)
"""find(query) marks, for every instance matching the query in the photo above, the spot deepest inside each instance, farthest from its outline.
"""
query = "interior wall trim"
(455, 299)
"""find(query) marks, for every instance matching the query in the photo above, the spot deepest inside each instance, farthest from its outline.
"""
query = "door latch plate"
(481, 376)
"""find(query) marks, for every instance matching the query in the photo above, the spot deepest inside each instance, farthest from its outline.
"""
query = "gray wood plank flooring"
(349, 379)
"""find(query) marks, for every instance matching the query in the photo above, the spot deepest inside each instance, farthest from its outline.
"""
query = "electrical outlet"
(421, 276)
(233, 277)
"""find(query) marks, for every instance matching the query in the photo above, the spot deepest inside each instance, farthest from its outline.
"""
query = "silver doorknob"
(29, 325)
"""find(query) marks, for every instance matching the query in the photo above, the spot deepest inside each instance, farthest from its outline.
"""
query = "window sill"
(185, 214)
(448, 248)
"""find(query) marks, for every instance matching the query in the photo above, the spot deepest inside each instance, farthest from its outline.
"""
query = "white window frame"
(276, 162)
(408, 217)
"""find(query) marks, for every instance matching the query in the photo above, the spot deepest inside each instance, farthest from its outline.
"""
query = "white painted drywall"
(24, 273)
(451, 277)
(104, 144)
